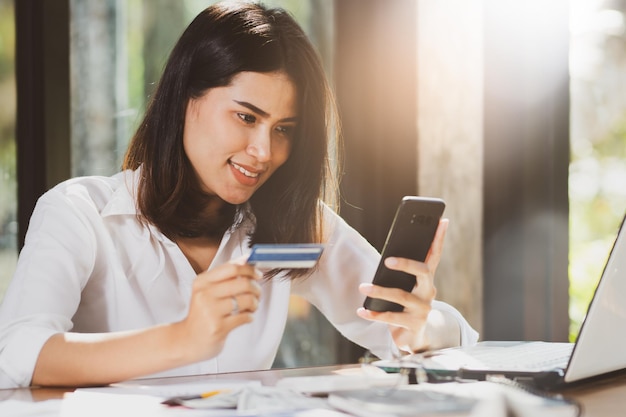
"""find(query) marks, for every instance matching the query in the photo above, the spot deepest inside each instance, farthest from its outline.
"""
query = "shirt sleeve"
(348, 260)
(469, 336)
(45, 291)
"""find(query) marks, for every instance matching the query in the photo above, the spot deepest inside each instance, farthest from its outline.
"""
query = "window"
(598, 141)
(118, 50)
(8, 181)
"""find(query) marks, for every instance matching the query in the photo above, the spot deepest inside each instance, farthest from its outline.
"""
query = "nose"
(260, 145)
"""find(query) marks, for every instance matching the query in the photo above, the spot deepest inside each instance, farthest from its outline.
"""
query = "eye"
(286, 130)
(247, 118)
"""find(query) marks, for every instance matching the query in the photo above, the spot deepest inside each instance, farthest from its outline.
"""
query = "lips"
(244, 171)
(246, 175)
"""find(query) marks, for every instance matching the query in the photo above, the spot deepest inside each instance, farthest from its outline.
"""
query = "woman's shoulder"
(94, 190)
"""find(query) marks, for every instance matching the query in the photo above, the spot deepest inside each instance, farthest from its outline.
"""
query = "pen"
(180, 399)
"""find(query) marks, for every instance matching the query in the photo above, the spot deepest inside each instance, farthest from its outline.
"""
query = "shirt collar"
(123, 200)
(123, 203)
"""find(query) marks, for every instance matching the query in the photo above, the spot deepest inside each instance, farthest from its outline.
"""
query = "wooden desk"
(268, 377)
(602, 398)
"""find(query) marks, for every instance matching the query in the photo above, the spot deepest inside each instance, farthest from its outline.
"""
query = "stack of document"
(223, 398)
(474, 399)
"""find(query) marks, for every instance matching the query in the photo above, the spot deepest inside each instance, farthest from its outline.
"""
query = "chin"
(237, 194)
(236, 199)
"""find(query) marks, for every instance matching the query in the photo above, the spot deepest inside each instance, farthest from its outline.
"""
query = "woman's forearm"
(83, 359)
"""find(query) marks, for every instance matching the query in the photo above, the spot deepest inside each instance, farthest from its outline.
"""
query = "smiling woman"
(233, 150)
(117, 55)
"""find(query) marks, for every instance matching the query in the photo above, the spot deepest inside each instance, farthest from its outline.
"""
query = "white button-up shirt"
(89, 265)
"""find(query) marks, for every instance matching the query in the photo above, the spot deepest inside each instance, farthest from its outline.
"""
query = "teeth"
(244, 171)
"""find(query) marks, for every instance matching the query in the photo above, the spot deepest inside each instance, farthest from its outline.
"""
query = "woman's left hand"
(409, 327)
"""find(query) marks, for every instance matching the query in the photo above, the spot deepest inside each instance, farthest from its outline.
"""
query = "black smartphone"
(410, 236)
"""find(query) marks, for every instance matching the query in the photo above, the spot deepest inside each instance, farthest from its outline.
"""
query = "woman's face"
(237, 136)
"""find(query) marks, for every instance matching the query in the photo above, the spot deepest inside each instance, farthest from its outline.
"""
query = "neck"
(199, 251)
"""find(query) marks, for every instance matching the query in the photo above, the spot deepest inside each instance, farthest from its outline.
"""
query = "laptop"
(600, 347)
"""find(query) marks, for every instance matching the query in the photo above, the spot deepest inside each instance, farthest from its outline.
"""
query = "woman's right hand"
(81, 359)
(221, 299)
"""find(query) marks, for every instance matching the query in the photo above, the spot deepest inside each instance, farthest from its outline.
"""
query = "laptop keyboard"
(532, 356)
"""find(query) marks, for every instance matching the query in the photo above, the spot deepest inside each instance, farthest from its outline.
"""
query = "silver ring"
(235, 309)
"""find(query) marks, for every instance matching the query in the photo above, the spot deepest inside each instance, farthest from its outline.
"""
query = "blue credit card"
(285, 255)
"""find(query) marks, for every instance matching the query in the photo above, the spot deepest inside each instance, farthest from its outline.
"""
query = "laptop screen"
(601, 344)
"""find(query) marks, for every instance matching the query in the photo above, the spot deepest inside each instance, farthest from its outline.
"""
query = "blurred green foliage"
(8, 204)
(8, 184)
(597, 206)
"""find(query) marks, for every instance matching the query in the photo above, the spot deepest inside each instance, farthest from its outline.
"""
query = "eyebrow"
(261, 112)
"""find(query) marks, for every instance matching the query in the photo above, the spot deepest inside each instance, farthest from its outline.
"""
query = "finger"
(408, 300)
(387, 317)
(236, 320)
(240, 304)
(409, 266)
(228, 288)
(424, 276)
(402, 319)
(432, 257)
(230, 270)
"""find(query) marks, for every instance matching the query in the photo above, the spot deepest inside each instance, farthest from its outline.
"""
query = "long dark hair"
(222, 41)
